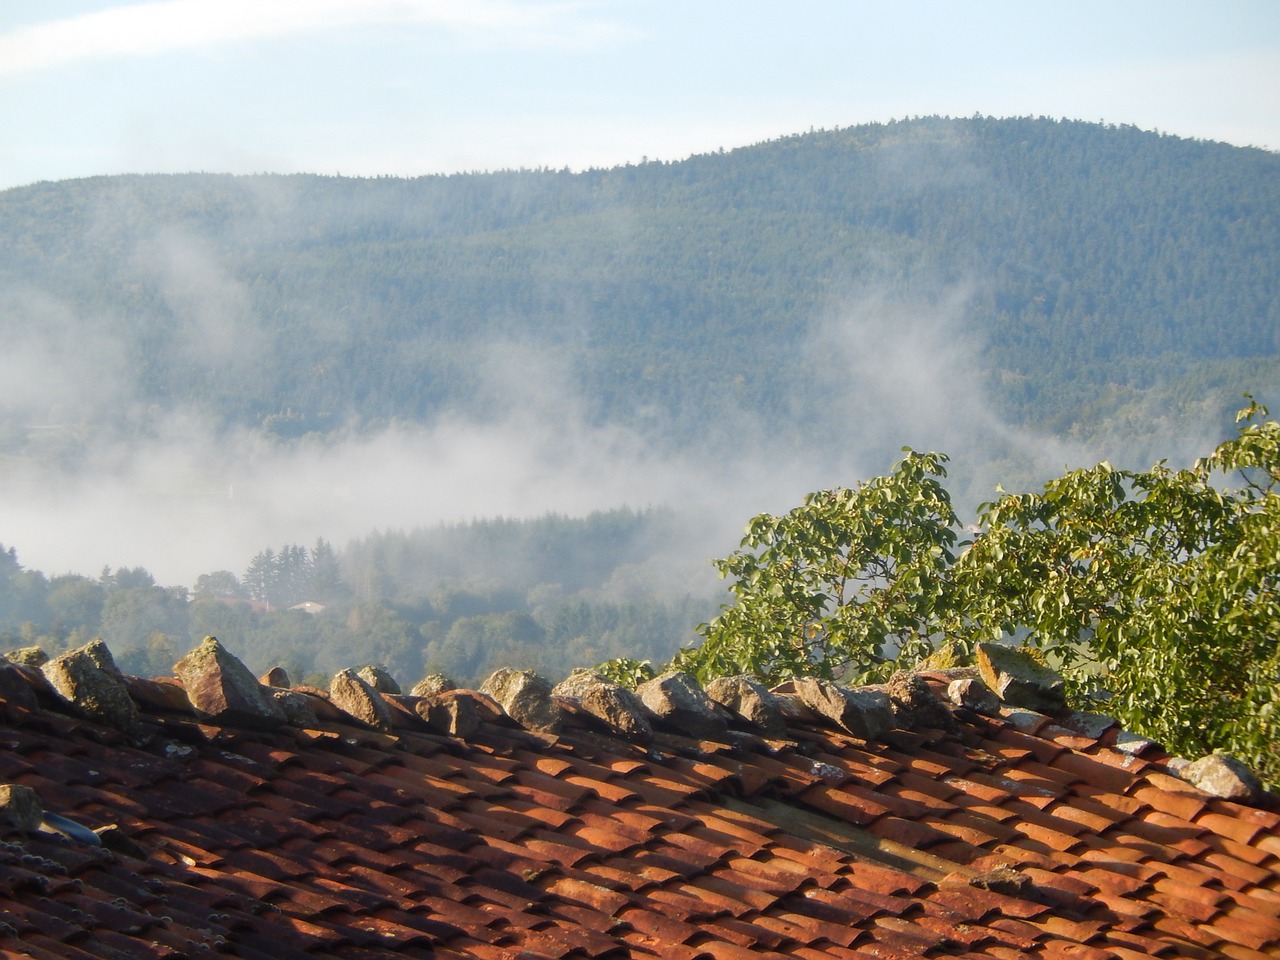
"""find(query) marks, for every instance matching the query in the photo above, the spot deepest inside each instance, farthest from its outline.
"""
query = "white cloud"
(149, 29)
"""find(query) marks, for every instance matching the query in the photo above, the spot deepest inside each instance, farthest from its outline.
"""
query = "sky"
(409, 87)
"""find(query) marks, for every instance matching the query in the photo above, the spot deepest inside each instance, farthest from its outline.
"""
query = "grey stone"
(871, 713)
(276, 677)
(830, 774)
(578, 680)
(951, 674)
(1224, 776)
(223, 690)
(609, 702)
(453, 712)
(1087, 724)
(28, 656)
(180, 752)
(865, 713)
(790, 705)
(378, 677)
(677, 700)
(1028, 721)
(21, 807)
(1020, 680)
(432, 684)
(525, 697)
(1006, 880)
(355, 697)
(915, 705)
(297, 708)
(1135, 745)
(749, 699)
(972, 694)
(89, 679)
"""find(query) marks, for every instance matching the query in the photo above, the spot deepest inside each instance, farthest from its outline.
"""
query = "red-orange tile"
(811, 927)
(1237, 828)
(723, 950)
(1233, 849)
(911, 833)
(1121, 805)
(1187, 806)
(975, 829)
(908, 936)
(1251, 928)
(658, 925)
(859, 902)
(1087, 814)
(845, 803)
(1012, 745)
(1234, 951)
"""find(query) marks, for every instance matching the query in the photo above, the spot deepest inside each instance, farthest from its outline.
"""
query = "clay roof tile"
(336, 841)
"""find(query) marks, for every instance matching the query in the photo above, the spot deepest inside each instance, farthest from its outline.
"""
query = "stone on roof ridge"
(216, 687)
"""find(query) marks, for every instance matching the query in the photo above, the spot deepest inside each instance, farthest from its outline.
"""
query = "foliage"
(219, 583)
(626, 671)
(1157, 590)
(551, 592)
(1161, 587)
(849, 580)
(283, 579)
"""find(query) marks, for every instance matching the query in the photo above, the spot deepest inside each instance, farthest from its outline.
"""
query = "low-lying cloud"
(191, 498)
(180, 494)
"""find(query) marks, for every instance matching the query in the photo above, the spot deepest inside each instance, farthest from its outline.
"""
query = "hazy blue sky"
(420, 86)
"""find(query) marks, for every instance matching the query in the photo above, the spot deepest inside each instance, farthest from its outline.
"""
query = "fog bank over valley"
(199, 367)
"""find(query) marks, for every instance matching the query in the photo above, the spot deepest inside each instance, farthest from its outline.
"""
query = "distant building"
(308, 606)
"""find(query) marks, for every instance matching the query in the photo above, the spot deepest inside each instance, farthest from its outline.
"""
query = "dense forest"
(1087, 266)
(549, 594)
(1033, 280)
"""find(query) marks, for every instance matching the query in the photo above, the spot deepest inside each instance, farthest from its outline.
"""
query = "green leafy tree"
(1160, 588)
(474, 646)
(1158, 591)
(22, 593)
(127, 578)
(220, 583)
(841, 585)
(75, 604)
(135, 618)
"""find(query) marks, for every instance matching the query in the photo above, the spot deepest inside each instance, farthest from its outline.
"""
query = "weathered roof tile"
(338, 841)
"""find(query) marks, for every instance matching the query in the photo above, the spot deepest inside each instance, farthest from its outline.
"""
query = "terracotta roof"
(1008, 836)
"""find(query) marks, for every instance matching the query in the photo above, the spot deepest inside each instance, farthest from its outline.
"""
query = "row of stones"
(218, 688)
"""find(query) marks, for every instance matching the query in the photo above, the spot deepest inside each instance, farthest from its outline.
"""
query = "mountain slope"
(1060, 259)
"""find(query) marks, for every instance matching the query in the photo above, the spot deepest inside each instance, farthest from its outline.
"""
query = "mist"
(192, 497)
(144, 334)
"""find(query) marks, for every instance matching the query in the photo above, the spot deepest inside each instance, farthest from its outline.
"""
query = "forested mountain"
(1020, 293)
(1079, 264)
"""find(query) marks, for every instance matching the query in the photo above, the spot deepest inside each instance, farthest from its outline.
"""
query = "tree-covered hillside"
(550, 593)
(1086, 272)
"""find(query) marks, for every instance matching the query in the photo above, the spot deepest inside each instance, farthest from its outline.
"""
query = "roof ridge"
(460, 832)
(212, 686)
